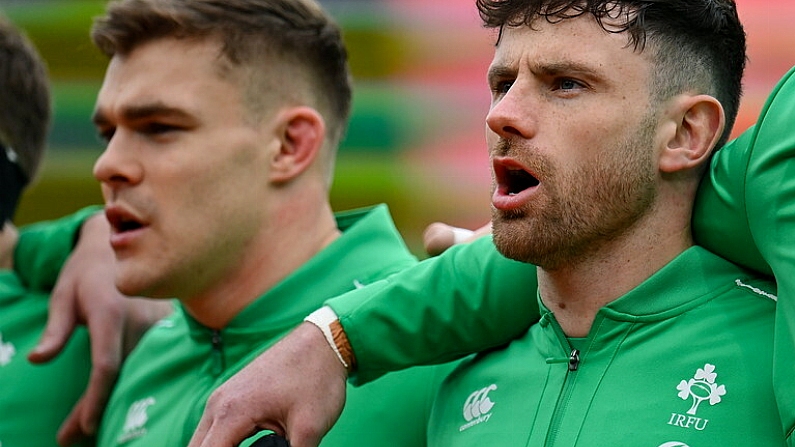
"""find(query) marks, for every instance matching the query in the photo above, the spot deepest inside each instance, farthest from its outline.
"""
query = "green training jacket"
(35, 399)
(166, 381)
(684, 359)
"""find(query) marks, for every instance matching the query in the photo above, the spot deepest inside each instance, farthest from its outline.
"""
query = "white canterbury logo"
(134, 425)
(477, 407)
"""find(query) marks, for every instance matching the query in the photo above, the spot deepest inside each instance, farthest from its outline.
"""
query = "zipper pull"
(574, 360)
(218, 352)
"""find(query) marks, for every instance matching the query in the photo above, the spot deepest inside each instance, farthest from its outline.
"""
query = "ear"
(698, 123)
(302, 134)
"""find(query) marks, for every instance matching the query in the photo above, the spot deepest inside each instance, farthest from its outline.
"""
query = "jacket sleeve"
(765, 201)
(43, 248)
(468, 299)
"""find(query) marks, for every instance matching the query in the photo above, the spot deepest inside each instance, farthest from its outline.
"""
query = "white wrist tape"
(461, 235)
(322, 318)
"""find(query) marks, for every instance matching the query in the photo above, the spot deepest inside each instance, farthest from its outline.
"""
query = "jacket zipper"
(217, 352)
(573, 365)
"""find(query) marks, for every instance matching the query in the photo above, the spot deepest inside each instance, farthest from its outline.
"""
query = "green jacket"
(483, 300)
(683, 359)
(165, 382)
(35, 399)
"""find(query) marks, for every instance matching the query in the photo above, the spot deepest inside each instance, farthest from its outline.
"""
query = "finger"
(106, 354)
(61, 322)
(201, 431)
(225, 424)
(437, 238)
(214, 437)
(96, 397)
(221, 432)
(305, 437)
(70, 432)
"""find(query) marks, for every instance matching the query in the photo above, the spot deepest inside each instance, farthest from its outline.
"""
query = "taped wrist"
(329, 324)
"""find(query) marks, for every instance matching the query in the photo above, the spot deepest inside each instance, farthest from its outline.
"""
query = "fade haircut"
(280, 42)
(25, 93)
(697, 45)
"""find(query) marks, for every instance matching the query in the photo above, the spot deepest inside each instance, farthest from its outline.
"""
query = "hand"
(296, 388)
(438, 236)
(86, 294)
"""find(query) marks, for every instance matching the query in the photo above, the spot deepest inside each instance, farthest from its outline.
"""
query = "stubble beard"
(581, 212)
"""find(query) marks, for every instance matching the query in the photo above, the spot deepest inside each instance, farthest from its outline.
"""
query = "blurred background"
(416, 137)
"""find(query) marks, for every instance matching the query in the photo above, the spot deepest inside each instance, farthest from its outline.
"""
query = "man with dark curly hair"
(604, 117)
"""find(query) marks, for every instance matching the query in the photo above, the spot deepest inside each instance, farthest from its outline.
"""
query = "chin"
(132, 286)
(510, 240)
(521, 241)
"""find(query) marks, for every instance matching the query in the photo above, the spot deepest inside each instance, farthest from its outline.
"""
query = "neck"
(8, 242)
(576, 292)
(298, 232)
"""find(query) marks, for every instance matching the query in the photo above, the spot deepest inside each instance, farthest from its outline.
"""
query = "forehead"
(578, 41)
(183, 73)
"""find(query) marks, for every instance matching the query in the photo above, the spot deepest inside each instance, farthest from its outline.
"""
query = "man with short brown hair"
(222, 120)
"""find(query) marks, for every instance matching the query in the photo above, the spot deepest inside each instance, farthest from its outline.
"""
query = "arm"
(439, 292)
(762, 206)
(43, 248)
(468, 299)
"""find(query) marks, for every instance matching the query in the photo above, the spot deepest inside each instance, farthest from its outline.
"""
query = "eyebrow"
(547, 69)
(556, 68)
(500, 72)
(139, 112)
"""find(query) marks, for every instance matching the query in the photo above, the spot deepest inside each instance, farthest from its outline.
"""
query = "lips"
(515, 184)
(121, 220)
(125, 226)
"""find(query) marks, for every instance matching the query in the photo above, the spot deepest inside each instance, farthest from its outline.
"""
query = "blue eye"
(568, 84)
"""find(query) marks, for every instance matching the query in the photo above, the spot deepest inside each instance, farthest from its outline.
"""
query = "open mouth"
(513, 179)
(519, 180)
(127, 225)
(122, 222)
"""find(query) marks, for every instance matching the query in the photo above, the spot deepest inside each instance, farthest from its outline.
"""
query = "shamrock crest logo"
(7, 352)
(701, 387)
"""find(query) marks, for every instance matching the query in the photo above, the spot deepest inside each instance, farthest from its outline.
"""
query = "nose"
(511, 115)
(118, 165)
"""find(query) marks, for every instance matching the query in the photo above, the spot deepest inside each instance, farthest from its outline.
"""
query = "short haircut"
(283, 41)
(697, 44)
(25, 91)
